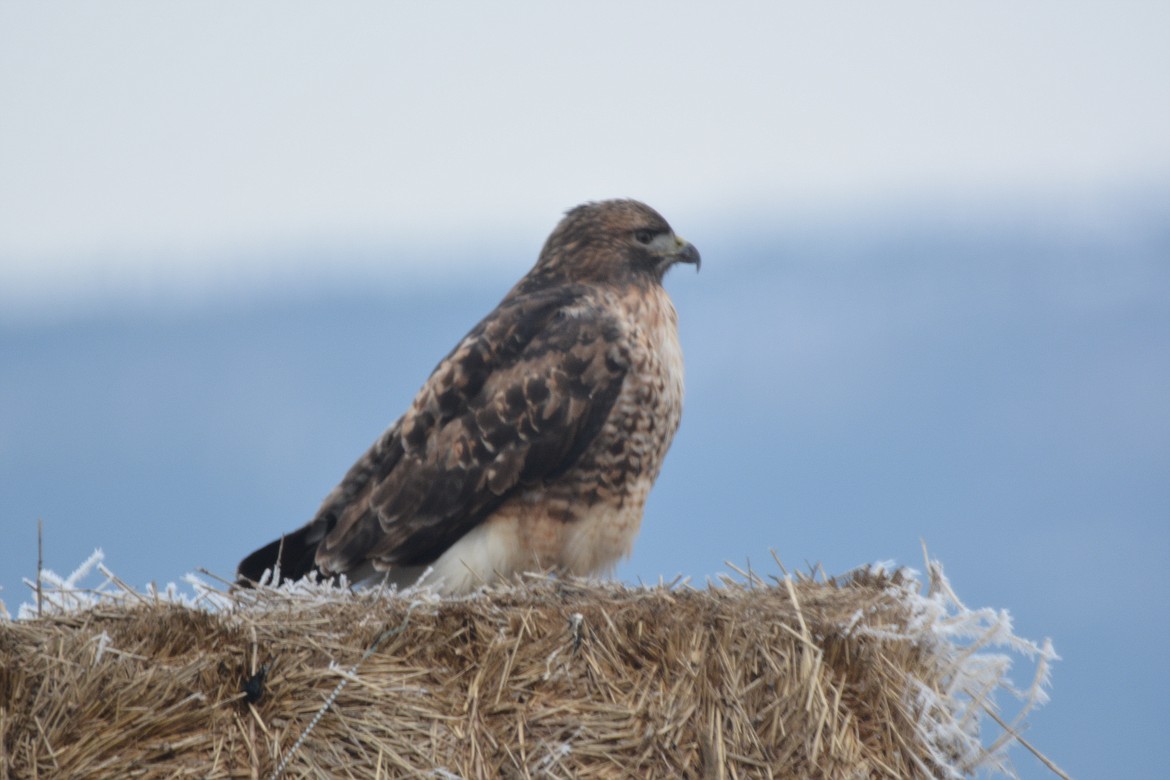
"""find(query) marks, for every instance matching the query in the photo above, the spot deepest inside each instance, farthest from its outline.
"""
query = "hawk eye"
(644, 236)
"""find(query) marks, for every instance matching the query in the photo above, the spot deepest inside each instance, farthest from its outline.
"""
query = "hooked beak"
(670, 249)
(685, 252)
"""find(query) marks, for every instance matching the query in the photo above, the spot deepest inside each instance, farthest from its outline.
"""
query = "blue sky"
(234, 240)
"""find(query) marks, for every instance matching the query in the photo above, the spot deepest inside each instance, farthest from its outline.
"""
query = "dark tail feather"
(295, 552)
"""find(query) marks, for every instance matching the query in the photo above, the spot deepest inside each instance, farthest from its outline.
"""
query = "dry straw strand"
(373, 648)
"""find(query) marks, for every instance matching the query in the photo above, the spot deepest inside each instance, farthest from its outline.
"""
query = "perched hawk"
(535, 442)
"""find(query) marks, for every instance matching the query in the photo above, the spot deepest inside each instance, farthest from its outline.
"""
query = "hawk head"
(613, 240)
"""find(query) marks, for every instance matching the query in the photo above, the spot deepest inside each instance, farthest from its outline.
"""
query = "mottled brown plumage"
(534, 443)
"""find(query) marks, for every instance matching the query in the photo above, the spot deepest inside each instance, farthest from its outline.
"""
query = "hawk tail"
(294, 552)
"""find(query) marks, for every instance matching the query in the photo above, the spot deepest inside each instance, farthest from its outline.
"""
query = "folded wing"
(515, 403)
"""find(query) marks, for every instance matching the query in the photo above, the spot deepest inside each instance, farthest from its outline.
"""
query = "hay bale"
(791, 678)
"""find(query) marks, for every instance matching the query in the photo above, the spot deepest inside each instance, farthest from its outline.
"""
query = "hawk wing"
(516, 402)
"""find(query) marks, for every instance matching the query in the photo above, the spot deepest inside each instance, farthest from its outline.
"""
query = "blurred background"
(934, 305)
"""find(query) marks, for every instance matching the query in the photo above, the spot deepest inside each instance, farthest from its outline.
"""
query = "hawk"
(535, 442)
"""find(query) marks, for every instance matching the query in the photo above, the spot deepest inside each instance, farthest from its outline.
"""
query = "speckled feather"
(535, 442)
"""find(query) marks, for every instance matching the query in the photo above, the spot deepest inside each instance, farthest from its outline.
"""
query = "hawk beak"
(685, 252)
